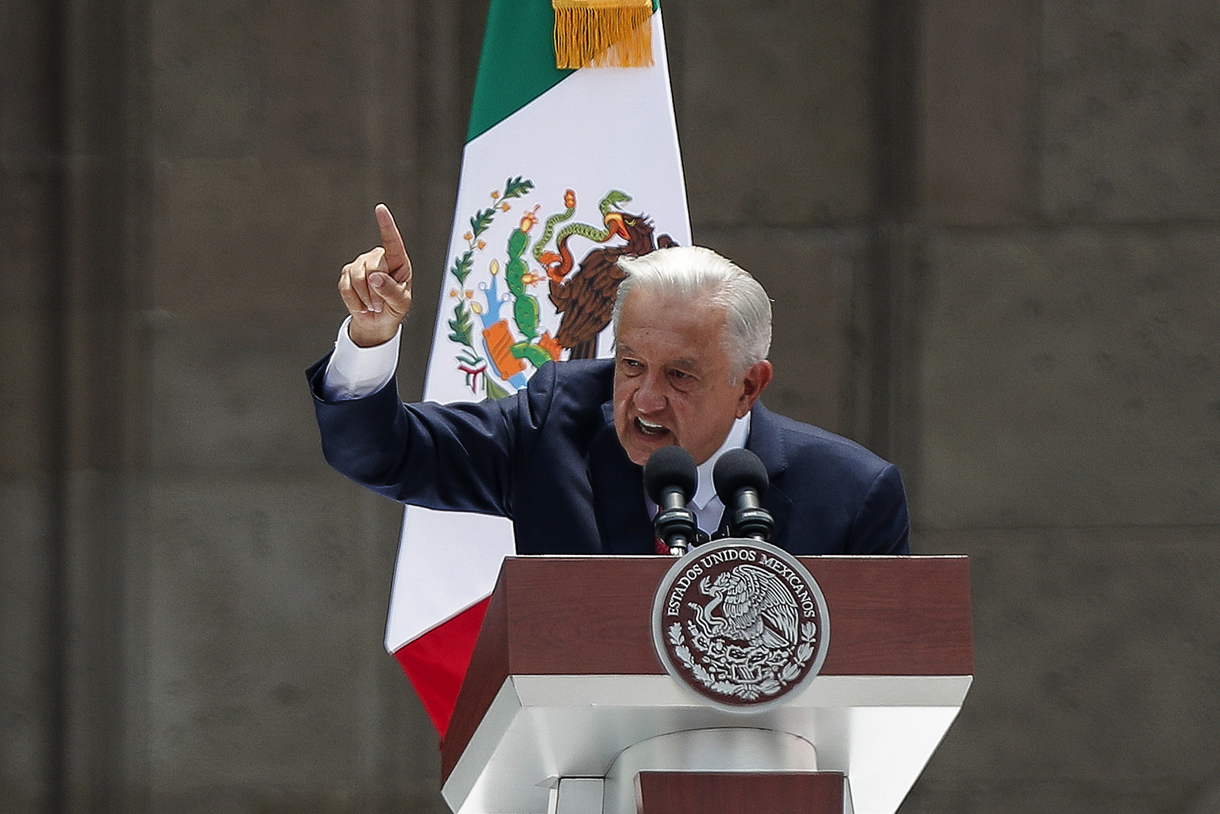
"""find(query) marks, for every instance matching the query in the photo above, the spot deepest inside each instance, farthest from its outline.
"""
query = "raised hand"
(376, 286)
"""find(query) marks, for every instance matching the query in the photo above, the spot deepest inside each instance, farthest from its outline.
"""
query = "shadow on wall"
(1209, 801)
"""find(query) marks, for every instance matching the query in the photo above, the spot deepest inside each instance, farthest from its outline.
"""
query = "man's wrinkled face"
(672, 377)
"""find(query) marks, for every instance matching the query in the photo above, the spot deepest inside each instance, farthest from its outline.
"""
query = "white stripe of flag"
(595, 131)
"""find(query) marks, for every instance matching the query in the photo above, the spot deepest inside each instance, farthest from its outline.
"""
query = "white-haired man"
(563, 457)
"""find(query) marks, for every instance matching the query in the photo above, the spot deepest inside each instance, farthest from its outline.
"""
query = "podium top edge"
(918, 557)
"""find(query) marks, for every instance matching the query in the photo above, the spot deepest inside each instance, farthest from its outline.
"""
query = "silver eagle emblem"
(740, 622)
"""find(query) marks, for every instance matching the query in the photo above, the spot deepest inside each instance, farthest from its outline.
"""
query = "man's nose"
(649, 396)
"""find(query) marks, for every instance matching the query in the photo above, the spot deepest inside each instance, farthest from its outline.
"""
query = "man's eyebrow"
(685, 363)
(623, 347)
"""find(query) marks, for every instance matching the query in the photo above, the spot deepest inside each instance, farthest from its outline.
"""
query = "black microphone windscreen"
(739, 469)
(670, 467)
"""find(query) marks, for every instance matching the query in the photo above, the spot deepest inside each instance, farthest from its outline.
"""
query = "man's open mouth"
(648, 428)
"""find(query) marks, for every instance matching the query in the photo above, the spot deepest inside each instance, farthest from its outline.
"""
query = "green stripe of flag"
(517, 64)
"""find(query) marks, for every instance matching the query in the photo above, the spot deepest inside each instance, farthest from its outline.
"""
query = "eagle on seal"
(753, 603)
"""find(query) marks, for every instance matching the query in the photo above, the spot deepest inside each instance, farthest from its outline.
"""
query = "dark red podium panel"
(738, 792)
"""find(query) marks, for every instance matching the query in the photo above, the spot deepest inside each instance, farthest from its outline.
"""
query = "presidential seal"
(742, 623)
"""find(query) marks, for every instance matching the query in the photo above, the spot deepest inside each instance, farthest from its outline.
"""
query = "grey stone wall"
(993, 234)
(1067, 387)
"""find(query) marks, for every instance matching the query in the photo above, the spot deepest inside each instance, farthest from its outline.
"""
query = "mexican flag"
(564, 170)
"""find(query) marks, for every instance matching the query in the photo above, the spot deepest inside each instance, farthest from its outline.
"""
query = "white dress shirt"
(706, 504)
(355, 372)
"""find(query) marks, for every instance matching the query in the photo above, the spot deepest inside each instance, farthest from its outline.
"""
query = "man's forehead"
(645, 294)
(647, 306)
(623, 348)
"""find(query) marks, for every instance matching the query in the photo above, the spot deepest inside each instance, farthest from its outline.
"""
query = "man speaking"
(563, 458)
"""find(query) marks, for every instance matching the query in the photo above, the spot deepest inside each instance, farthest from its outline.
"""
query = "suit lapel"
(767, 443)
(618, 496)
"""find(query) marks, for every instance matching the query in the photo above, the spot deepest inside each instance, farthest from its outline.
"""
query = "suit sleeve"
(450, 457)
(882, 524)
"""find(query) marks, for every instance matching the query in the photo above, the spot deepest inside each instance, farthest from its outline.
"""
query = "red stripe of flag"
(436, 662)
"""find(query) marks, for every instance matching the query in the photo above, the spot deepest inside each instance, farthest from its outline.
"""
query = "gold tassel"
(603, 33)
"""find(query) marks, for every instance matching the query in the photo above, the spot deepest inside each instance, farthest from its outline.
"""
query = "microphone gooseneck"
(741, 481)
(670, 478)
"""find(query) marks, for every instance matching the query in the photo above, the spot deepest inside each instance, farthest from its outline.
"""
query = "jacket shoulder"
(796, 445)
(585, 382)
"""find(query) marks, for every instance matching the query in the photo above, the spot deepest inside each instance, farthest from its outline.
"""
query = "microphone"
(670, 478)
(741, 481)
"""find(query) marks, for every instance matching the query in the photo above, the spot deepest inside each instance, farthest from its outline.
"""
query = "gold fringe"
(603, 33)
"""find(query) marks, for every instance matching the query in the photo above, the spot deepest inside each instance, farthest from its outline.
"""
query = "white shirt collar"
(736, 439)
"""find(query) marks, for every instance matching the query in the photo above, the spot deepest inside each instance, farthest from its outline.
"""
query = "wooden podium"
(567, 709)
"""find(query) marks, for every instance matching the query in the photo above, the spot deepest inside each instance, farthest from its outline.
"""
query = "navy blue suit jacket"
(548, 458)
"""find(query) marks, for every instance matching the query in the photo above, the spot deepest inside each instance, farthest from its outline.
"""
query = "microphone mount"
(741, 482)
(670, 478)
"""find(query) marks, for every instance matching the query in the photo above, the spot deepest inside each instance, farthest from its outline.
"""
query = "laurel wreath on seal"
(774, 668)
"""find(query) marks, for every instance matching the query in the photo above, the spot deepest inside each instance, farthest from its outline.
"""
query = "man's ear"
(754, 382)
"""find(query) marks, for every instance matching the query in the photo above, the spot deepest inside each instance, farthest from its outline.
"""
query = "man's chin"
(639, 447)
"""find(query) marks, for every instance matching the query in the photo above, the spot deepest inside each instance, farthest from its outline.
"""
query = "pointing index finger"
(391, 240)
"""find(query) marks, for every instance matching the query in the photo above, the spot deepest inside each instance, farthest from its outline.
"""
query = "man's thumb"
(390, 290)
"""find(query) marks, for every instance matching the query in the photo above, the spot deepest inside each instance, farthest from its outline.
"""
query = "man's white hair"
(700, 275)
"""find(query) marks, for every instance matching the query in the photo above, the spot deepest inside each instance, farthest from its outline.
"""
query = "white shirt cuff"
(355, 372)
